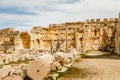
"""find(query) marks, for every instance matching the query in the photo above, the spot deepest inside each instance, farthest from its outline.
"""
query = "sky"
(24, 14)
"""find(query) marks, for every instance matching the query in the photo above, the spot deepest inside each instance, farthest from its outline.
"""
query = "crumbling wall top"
(105, 20)
(7, 32)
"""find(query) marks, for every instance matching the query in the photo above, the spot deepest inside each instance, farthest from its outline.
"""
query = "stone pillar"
(41, 44)
(31, 44)
(117, 40)
(76, 39)
(66, 38)
(18, 43)
(84, 40)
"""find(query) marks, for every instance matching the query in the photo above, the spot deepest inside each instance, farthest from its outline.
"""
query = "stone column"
(41, 44)
(18, 43)
(77, 39)
(31, 42)
(66, 38)
(117, 40)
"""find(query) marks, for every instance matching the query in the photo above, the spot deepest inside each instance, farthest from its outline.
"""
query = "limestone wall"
(92, 34)
(117, 39)
(89, 35)
(37, 35)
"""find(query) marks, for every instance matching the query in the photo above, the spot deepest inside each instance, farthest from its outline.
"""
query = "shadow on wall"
(108, 40)
(7, 46)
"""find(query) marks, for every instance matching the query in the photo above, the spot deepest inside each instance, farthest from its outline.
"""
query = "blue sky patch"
(16, 11)
(22, 13)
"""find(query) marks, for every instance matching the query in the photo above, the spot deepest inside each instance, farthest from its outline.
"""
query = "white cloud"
(57, 11)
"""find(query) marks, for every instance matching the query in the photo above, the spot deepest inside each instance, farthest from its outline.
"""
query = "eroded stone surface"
(37, 70)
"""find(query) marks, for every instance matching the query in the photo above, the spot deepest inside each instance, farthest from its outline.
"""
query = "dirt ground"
(95, 65)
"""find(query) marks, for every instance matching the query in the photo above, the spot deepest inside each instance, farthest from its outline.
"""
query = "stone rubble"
(56, 63)
(48, 65)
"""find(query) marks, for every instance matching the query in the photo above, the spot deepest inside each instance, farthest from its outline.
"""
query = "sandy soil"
(95, 66)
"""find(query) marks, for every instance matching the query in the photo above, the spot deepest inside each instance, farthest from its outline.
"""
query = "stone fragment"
(38, 70)
(13, 77)
(4, 73)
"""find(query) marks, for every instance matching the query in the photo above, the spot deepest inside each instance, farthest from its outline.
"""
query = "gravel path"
(95, 66)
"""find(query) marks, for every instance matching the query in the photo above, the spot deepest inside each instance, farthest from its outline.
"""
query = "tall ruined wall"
(117, 39)
(101, 34)
(89, 35)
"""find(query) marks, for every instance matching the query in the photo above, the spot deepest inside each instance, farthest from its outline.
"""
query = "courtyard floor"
(96, 65)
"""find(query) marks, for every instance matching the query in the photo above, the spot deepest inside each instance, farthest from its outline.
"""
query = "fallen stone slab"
(38, 70)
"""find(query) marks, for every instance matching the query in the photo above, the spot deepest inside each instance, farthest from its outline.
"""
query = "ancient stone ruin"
(45, 52)
(88, 35)
(10, 40)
